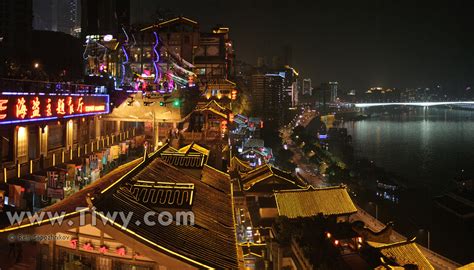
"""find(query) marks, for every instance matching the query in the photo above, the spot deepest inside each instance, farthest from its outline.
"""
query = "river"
(426, 148)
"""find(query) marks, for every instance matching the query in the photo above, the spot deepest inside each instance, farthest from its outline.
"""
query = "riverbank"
(439, 261)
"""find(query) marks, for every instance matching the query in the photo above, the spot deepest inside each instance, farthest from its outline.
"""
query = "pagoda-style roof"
(176, 20)
(267, 178)
(193, 148)
(192, 156)
(239, 165)
(402, 253)
(253, 249)
(213, 107)
(313, 201)
(153, 185)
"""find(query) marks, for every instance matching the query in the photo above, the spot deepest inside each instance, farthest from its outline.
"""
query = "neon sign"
(28, 107)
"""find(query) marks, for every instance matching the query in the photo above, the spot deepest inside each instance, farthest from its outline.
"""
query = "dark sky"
(360, 43)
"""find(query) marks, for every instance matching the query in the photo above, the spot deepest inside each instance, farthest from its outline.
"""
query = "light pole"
(376, 210)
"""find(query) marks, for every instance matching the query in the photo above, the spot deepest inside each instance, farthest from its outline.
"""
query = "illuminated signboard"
(29, 107)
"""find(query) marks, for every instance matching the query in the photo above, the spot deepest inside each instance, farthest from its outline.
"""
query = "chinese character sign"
(19, 107)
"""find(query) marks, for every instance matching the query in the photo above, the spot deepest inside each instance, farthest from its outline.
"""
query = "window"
(22, 144)
(55, 136)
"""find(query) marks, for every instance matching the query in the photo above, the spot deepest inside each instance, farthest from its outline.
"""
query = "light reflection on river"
(427, 148)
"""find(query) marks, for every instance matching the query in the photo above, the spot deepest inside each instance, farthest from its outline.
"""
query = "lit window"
(22, 144)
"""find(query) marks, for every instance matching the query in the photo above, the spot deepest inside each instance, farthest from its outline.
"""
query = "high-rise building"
(294, 94)
(15, 27)
(333, 91)
(57, 15)
(104, 16)
(307, 89)
(270, 96)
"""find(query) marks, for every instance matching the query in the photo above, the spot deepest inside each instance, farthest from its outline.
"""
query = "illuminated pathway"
(421, 104)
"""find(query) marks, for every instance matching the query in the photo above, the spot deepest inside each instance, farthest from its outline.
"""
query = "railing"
(201, 136)
(14, 85)
(63, 155)
(302, 260)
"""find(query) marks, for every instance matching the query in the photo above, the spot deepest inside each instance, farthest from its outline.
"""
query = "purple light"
(51, 94)
(123, 63)
(155, 62)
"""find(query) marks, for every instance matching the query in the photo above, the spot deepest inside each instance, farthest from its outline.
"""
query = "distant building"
(56, 15)
(104, 17)
(333, 91)
(294, 94)
(15, 26)
(307, 89)
(269, 96)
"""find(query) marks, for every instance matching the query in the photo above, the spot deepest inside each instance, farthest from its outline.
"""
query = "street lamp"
(36, 65)
(428, 236)
(376, 210)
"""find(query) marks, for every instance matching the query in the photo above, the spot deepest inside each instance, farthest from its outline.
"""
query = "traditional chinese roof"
(155, 195)
(466, 267)
(192, 156)
(239, 165)
(268, 178)
(153, 185)
(212, 107)
(215, 178)
(313, 201)
(251, 150)
(193, 148)
(210, 241)
(175, 20)
(402, 253)
(253, 249)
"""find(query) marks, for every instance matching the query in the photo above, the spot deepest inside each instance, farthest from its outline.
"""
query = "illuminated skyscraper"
(333, 91)
(307, 89)
(56, 15)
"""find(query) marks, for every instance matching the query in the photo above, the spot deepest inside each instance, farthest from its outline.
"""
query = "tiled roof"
(193, 147)
(239, 165)
(466, 267)
(186, 161)
(215, 178)
(403, 253)
(210, 241)
(313, 201)
(272, 178)
(190, 156)
(174, 20)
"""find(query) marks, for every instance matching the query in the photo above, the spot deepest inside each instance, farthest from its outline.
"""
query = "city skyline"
(359, 44)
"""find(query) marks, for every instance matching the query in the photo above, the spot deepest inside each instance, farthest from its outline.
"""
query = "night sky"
(405, 43)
